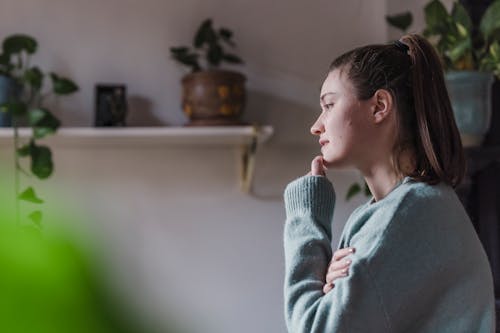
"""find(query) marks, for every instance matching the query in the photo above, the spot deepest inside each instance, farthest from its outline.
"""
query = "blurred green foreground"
(48, 284)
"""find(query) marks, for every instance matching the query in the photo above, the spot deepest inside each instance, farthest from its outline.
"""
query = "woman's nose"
(317, 128)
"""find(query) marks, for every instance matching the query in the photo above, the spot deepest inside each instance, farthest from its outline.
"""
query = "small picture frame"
(111, 105)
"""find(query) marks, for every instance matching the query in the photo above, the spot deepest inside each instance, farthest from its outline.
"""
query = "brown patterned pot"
(213, 98)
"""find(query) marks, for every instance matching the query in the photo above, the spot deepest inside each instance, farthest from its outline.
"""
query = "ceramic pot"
(213, 98)
(470, 94)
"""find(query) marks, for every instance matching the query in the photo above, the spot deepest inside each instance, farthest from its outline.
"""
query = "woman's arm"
(353, 305)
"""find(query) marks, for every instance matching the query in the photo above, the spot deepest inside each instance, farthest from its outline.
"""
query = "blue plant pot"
(7, 92)
(470, 94)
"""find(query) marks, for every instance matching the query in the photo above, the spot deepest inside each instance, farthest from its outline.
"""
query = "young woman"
(408, 260)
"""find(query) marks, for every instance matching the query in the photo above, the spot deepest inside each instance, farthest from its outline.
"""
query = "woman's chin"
(334, 162)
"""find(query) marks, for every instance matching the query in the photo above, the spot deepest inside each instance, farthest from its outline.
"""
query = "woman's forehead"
(335, 83)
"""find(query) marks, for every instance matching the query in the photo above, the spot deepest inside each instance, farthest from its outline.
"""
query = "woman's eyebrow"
(326, 94)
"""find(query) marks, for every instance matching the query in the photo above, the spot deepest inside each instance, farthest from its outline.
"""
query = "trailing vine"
(24, 107)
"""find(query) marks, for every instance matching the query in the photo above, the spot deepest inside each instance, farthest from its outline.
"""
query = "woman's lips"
(323, 142)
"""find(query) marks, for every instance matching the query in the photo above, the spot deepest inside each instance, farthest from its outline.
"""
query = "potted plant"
(21, 102)
(471, 58)
(211, 96)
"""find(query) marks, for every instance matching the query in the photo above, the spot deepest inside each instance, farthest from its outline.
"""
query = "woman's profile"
(408, 260)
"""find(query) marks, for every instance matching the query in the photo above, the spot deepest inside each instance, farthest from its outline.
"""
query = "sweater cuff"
(310, 194)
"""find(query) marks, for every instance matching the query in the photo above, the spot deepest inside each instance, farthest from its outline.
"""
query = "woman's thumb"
(317, 166)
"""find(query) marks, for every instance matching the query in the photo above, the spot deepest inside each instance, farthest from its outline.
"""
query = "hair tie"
(401, 46)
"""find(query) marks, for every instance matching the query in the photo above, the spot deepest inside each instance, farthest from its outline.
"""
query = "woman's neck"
(381, 183)
(381, 177)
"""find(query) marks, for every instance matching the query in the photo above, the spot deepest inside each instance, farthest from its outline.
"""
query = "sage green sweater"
(418, 266)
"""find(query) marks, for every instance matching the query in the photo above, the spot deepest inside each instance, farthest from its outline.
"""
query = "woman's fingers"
(341, 264)
(338, 268)
(327, 287)
(317, 166)
(335, 274)
(341, 253)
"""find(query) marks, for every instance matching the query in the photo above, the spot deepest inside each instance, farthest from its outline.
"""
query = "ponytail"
(438, 143)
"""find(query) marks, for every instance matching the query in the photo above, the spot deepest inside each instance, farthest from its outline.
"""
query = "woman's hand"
(318, 167)
(338, 268)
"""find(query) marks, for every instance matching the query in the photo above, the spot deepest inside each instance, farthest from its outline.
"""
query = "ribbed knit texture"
(301, 192)
(418, 267)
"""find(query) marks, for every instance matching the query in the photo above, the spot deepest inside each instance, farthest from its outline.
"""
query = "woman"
(408, 260)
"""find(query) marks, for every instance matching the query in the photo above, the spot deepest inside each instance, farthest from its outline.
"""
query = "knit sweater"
(418, 264)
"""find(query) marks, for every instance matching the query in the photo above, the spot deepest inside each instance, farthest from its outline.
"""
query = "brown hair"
(411, 71)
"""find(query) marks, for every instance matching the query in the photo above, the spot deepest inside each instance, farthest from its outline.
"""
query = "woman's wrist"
(310, 194)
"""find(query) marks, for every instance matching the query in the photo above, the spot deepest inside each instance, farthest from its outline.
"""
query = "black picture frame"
(110, 105)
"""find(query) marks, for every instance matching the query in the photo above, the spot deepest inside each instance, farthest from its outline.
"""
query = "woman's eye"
(328, 106)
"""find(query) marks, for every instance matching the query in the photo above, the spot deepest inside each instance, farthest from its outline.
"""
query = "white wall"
(179, 230)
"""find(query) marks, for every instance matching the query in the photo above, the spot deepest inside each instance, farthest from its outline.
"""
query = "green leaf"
(225, 33)
(205, 34)
(462, 31)
(36, 217)
(461, 16)
(36, 115)
(226, 36)
(24, 150)
(215, 54)
(43, 122)
(459, 50)
(231, 58)
(435, 15)
(179, 50)
(495, 50)
(41, 161)
(400, 21)
(491, 60)
(7, 69)
(190, 60)
(183, 55)
(4, 59)
(490, 22)
(40, 132)
(14, 108)
(30, 196)
(18, 43)
(353, 190)
(34, 77)
(62, 86)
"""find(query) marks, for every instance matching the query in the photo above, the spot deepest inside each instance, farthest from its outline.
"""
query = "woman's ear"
(382, 103)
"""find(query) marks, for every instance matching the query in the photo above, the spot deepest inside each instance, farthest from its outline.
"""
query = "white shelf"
(247, 138)
(148, 136)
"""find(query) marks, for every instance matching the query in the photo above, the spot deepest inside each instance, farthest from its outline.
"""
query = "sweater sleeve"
(352, 305)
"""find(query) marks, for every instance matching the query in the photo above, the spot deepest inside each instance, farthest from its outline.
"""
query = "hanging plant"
(25, 105)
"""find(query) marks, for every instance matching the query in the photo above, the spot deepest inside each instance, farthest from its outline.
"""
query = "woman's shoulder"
(425, 211)
(420, 195)
(410, 196)
(414, 209)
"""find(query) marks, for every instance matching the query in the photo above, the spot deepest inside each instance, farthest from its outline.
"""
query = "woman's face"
(343, 127)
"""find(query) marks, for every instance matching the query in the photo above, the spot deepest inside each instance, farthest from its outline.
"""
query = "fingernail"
(351, 250)
(344, 270)
(348, 262)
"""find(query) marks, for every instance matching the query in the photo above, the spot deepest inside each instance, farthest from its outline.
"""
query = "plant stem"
(16, 175)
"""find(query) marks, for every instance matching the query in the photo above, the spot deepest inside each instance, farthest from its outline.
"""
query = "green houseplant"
(22, 99)
(471, 58)
(211, 96)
